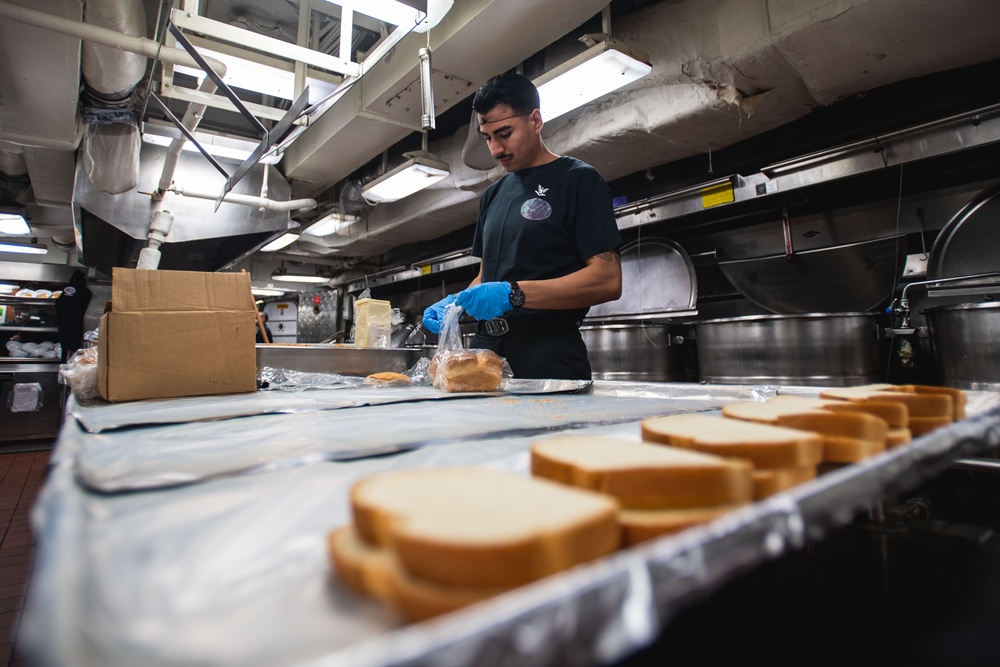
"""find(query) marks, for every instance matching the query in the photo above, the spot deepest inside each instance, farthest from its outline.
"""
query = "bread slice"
(639, 525)
(921, 425)
(898, 436)
(847, 437)
(959, 398)
(476, 526)
(418, 599)
(894, 414)
(768, 481)
(764, 445)
(363, 567)
(918, 405)
(643, 475)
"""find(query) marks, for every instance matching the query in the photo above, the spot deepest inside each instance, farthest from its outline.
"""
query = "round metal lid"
(658, 279)
(843, 278)
(967, 245)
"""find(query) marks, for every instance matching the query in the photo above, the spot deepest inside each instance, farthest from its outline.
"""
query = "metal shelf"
(433, 266)
(38, 329)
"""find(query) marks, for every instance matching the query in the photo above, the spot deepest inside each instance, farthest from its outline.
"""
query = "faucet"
(903, 309)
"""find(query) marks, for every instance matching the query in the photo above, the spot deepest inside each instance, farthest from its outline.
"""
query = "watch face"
(516, 296)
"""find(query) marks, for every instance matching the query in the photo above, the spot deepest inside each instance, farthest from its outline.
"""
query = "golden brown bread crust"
(389, 377)
(466, 370)
(639, 525)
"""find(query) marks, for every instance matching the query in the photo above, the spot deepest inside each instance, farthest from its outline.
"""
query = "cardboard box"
(177, 333)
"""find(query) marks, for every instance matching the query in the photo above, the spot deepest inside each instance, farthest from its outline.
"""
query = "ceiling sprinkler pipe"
(249, 200)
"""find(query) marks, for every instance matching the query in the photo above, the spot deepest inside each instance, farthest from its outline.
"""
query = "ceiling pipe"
(141, 45)
(248, 200)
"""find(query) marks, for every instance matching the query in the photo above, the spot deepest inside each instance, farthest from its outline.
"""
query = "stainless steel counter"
(200, 540)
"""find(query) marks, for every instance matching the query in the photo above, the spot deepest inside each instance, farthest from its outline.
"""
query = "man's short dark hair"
(508, 88)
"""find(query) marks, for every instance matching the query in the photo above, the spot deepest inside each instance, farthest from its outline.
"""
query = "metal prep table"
(192, 531)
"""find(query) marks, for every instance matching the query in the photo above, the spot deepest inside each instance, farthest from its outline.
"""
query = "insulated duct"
(111, 138)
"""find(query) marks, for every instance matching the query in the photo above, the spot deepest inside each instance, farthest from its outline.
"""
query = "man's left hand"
(485, 300)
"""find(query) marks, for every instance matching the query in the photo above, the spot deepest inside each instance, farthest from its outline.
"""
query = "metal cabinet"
(31, 398)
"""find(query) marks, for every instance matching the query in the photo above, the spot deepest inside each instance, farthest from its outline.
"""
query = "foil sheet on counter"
(233, 571)
(178, 453)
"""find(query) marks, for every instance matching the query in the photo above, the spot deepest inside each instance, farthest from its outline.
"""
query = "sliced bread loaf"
(643, 475)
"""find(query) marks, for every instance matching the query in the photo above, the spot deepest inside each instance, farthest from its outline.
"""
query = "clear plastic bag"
(455, 369)
(80, 374)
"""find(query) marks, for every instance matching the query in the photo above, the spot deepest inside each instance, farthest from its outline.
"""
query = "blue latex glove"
(434, 315)
(485, 300)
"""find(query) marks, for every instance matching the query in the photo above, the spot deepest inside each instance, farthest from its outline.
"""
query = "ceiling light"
(418, 172)
(24, 248)
(13, 224)
(332, 223)
(283, 275)
(264, 79)
(233, 149)
(267, 291)
(602, 68)
(282, 241)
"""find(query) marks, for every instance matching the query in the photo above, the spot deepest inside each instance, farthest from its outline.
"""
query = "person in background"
(70, 309)
(547, 239)
(270, 336)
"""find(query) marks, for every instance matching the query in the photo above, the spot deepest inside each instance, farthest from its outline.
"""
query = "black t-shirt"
(544, 222)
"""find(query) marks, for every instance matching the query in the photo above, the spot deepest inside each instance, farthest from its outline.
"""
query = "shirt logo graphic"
(541, 190)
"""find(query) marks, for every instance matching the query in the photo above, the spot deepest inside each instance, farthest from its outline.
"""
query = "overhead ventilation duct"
(111, 139)
(14, 181)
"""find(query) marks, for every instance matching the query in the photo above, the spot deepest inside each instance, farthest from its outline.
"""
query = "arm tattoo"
(610, 256)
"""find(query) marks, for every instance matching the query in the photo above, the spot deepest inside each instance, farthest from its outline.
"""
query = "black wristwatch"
(516, 295)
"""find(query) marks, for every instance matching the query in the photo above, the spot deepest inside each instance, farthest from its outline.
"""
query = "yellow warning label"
(425, 269)
(717, 194)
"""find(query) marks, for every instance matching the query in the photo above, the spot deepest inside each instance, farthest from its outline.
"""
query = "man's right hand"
(434, 315)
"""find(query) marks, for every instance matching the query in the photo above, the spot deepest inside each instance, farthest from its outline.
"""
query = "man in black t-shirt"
(547, 239)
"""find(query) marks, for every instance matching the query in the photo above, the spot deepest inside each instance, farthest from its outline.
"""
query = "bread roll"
(466, 370)
(475, 526)
(642, 475)
(764, 445)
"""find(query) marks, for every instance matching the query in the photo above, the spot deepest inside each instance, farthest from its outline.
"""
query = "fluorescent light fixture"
(13, 224)
(267, 291)
(599, 70)
(265, 79)
(282, 275)
(282, 241)
(232, 149)
(417, 173)
(332, 223)
(24, 248)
